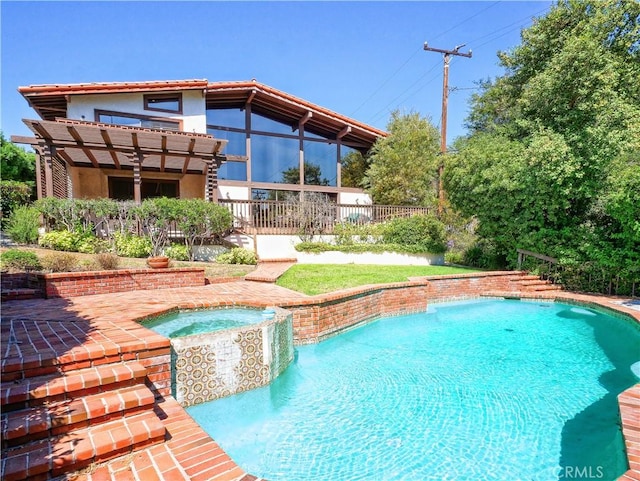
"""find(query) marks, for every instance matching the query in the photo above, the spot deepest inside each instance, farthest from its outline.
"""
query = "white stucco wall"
(82, 107)
(385, 258)
(354, 198)
(233, 192)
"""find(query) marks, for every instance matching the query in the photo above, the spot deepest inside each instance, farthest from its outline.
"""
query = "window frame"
(98, 112)
(163, 96)
(144, 180)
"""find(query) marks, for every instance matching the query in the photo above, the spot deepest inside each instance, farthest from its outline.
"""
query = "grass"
(314, 279)
(87, 262)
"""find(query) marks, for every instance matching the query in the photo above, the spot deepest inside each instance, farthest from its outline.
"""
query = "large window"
(320, 163)
(131, 120)
(226, 118)
(237, 144)
(275, 151)
(233, 170)
(121, 188)
(274, 194)
(353, 167)
(275, 159)
(261, 123)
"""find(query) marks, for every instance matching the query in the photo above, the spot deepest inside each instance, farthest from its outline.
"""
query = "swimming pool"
(477, 390)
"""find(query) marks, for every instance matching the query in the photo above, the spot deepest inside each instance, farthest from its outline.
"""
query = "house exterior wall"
(90, 183)
(233, 192)
(83, 107)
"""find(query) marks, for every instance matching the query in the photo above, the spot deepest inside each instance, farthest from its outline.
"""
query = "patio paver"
(43, 333)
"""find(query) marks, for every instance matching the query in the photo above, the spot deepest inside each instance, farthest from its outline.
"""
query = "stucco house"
(189, 138)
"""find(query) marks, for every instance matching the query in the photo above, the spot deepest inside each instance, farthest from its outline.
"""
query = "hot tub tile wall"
(218, 364)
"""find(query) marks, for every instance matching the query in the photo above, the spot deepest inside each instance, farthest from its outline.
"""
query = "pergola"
(106, 146)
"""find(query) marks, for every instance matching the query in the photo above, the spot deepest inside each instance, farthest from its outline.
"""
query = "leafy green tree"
(353, 169)
(403, 166)
(547, 135)
(17, 174)
(16, 163)
(198, 219)
(312, 175)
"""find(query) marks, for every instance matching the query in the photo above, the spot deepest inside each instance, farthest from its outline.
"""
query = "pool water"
(188, 323)
(487, 390)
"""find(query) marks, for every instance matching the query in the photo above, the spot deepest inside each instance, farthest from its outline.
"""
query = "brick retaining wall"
(321, 316)
(74, 284)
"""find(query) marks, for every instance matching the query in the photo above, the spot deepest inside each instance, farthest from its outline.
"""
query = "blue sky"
(361, 59)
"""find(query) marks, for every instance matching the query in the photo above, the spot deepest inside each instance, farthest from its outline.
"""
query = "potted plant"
(154, 216)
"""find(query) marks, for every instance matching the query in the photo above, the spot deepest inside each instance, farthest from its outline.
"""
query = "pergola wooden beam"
(67, 158)
(53, 137)
(208, 153)
(108, 143)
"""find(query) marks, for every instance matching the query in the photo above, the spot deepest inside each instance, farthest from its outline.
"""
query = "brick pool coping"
(192, 454)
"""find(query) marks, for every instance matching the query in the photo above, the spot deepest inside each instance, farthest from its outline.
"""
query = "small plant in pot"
(154, 216)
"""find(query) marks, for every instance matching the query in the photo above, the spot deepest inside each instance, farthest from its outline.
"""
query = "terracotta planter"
(158, 262)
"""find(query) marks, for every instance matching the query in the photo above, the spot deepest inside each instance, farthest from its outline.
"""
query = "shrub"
(198, 219)
(348, 233)
(59, 262)
(60, 240)
(483, 256)
(13, 194)
(454, 258)
(238, 255)
(178, 252)
(15, 259)
(423, 231)
(23, 225)
(61, 213)
(64, 240)
(128, 245)
(107, 260)
(87, 243)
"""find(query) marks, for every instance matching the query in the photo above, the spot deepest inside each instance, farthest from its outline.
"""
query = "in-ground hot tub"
(220, 352)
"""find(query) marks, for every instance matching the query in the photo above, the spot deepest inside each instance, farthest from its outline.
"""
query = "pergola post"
(137, 159)
(211, 187)
(47, 151)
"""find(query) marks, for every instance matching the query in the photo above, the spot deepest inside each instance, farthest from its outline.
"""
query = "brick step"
(526, 277)
(542, 288)
(78, 449)
(35, 391)
(534, 282)
(54, 419)
(33, 348)
(20, 294)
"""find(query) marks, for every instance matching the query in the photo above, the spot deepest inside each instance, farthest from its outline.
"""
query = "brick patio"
(83, 369)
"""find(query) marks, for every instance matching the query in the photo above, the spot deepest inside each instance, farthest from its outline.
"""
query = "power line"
(447, 54)
(385, 108)
(385, 82)
(507, 29)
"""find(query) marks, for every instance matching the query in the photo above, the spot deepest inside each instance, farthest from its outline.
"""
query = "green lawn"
(314, 279)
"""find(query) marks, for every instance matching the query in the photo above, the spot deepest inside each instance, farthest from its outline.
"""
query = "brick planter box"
(74, 284)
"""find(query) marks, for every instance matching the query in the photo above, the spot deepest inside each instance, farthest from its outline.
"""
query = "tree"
(198, 219)
(312, 175)
(403, 166)
(353, 169)
(16, 163)
(546, 135)
(17, 171)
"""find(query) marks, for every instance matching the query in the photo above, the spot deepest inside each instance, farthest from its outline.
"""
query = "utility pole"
(443, 119)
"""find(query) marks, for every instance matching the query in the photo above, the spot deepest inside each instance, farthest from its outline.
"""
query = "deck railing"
(286, 218)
